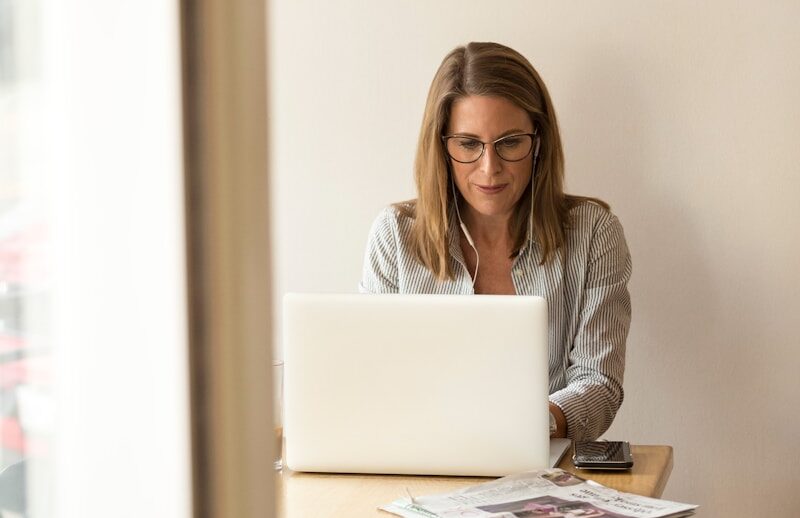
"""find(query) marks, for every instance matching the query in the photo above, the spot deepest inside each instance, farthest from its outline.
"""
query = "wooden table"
(331, 495)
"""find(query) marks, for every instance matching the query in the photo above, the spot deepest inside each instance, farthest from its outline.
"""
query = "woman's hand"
(561, 422)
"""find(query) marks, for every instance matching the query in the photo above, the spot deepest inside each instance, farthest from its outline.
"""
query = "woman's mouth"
(491, 189)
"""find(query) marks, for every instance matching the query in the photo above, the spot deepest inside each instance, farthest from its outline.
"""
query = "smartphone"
(603, 455)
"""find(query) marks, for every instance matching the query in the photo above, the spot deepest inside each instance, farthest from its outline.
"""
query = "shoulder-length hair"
(488, 69)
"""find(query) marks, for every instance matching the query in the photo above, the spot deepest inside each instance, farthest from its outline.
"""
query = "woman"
(491, 217)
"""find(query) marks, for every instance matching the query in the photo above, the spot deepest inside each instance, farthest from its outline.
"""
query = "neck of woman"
(487, 231)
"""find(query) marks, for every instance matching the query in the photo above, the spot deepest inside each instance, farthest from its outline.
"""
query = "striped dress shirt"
(589, 308)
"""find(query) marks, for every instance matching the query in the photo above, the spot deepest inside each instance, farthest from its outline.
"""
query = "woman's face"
(490, 186)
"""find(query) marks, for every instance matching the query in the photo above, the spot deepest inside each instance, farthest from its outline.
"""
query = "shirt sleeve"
(593, 393)
(380, 273)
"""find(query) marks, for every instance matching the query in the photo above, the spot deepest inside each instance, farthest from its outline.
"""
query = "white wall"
(684, 115)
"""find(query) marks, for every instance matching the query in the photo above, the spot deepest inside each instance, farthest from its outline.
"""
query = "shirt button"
(518, 273)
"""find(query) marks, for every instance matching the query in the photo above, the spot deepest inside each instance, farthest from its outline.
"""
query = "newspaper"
(552, 493)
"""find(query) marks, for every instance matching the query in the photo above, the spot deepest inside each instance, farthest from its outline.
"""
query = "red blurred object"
(11, 434)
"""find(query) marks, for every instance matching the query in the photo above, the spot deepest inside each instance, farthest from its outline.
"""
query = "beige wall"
(684, 115)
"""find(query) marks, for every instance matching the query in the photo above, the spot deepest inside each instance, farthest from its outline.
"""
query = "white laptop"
(416, 384)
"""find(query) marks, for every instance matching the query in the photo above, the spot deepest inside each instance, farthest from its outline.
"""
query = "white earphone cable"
(466, 232)
(533, 177)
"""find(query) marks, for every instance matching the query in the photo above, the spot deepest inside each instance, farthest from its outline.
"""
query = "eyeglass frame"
(533, 136)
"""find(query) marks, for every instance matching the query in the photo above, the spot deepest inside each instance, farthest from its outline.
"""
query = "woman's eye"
(511, 142)
(468, 143)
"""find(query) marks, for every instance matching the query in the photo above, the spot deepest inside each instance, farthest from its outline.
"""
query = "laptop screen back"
(416, 384)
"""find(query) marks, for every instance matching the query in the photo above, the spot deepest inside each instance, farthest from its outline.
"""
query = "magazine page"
(551, 493)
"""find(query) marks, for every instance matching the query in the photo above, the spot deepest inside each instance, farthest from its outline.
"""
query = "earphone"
(464, 227)
(466, 232)
(533, 176)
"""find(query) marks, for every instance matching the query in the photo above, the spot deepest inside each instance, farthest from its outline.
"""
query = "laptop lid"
(416, 384)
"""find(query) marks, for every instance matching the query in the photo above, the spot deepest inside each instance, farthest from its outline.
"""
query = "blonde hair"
(488, 69)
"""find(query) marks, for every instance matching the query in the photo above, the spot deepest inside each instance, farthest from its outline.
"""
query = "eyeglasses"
(511, 148)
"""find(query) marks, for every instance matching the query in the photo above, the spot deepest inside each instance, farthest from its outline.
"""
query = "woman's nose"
(490, 162)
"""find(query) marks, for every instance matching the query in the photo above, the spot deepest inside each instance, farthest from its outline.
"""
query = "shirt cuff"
(575, 412)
